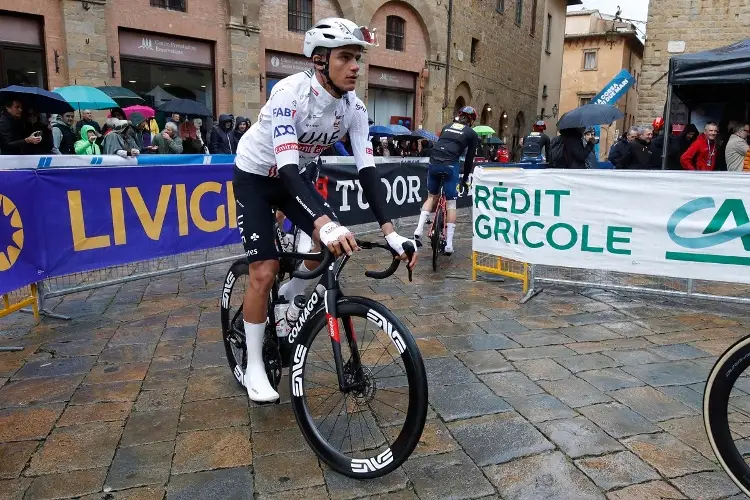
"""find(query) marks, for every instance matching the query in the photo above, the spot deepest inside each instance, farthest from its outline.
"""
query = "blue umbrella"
(589, 115)
(381, 131)
(426, 134)
(82, 97)
(41, 100)
(184, 107)
(399, 130)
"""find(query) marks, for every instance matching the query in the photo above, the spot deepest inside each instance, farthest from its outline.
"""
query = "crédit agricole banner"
(679, 224)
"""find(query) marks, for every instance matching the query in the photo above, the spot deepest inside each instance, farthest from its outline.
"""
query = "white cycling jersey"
(299, 121)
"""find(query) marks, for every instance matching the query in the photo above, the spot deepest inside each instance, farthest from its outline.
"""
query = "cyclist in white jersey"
(305, 114)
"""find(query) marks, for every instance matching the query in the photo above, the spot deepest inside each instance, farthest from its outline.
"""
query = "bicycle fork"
(334, 332)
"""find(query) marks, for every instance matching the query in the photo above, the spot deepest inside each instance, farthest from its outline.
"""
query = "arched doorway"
(460, 103)
(462, 95)
(486, 117)
(502, 125)
(519, 127)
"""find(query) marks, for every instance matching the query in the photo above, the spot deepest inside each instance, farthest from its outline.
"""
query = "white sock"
(449, 237)
(420, 226)
(255, 380)
(295, 286)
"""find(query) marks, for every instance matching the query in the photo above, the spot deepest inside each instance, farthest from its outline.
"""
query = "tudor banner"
(405, 185)
(678, 224)
(60, 220)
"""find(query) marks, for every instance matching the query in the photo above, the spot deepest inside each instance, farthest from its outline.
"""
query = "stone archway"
(460, 103)
(424, 10)
(502, 125)
(486, 116)
(519, 127)
(463, 92)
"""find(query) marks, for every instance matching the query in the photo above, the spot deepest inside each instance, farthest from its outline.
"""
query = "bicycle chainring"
(272, 362)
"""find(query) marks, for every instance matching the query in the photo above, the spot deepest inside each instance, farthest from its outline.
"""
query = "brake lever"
(409, 251)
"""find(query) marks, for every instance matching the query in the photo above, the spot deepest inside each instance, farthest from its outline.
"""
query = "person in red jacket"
(703, 153)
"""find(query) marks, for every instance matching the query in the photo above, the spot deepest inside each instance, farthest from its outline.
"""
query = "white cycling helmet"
(335, 32)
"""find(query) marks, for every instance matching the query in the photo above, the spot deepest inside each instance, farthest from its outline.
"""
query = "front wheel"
(726, 415)
(371, 428)
(436, 236)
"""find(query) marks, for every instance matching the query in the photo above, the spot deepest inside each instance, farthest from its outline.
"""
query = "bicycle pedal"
(268, 403)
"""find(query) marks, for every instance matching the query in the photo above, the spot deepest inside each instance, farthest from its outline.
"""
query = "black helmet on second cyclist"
(468, 112)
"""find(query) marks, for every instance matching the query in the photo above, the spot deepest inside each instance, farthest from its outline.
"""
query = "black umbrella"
(184, 107)
(589, 115)
(122, 96)
(43, 101)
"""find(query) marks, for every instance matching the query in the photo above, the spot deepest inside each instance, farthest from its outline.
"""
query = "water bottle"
(292, 314)
(279, 312)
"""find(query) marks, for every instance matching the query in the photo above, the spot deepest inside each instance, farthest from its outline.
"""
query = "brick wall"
(54, 36)
(506, 73)
(205, 19)
(701, 24)
(414, 56)
(86, 43)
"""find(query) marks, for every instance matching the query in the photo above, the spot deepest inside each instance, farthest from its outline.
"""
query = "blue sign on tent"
(611, 93)
(615, 89)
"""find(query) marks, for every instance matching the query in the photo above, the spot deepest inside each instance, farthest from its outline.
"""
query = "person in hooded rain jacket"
(220, 142)
(242, 126)
(86, 145)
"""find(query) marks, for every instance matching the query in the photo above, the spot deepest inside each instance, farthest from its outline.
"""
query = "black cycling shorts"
(255, 196)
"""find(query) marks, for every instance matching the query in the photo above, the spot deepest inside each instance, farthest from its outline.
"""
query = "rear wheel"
(371, 429)
(232, 327)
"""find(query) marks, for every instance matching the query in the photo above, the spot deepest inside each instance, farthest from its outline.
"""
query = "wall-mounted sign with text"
(153, 46)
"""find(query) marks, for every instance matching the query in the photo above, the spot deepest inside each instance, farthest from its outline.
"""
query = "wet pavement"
(578, 394)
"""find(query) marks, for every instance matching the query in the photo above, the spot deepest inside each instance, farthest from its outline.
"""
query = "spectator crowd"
(28, 132)
(711, 150)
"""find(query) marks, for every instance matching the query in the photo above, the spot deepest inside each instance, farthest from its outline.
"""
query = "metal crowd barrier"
(533, 276)
(18, 299)
(116, 275)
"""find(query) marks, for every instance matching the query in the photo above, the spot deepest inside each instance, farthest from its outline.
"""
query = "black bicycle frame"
(330, 296)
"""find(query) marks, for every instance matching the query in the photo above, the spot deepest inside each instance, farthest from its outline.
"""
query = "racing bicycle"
(356, 377)
(439, 228)
(726, 413)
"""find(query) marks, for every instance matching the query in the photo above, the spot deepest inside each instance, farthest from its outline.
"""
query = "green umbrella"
(484, 130)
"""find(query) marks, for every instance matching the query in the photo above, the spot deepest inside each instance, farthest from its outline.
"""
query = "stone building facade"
(692, 26)
(230, 53)
(593, 55)
(550, 70)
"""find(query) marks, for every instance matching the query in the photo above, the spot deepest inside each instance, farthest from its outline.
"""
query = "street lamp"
(555, 110)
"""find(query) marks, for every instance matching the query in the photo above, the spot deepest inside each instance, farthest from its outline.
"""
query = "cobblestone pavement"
(576, 395)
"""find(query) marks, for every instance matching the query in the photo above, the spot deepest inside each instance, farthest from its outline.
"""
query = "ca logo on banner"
(712, 237)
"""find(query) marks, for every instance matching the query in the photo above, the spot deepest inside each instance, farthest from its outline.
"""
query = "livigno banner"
(679, 224)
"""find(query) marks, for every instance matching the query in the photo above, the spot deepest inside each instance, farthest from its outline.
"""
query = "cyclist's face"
(343, 67)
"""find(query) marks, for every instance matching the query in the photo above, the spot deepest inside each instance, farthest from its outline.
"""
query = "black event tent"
(718, 75)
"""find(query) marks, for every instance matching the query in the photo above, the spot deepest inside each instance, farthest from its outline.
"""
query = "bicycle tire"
(716, 396)
(228, 316)
(435, 236)
(393, 456)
